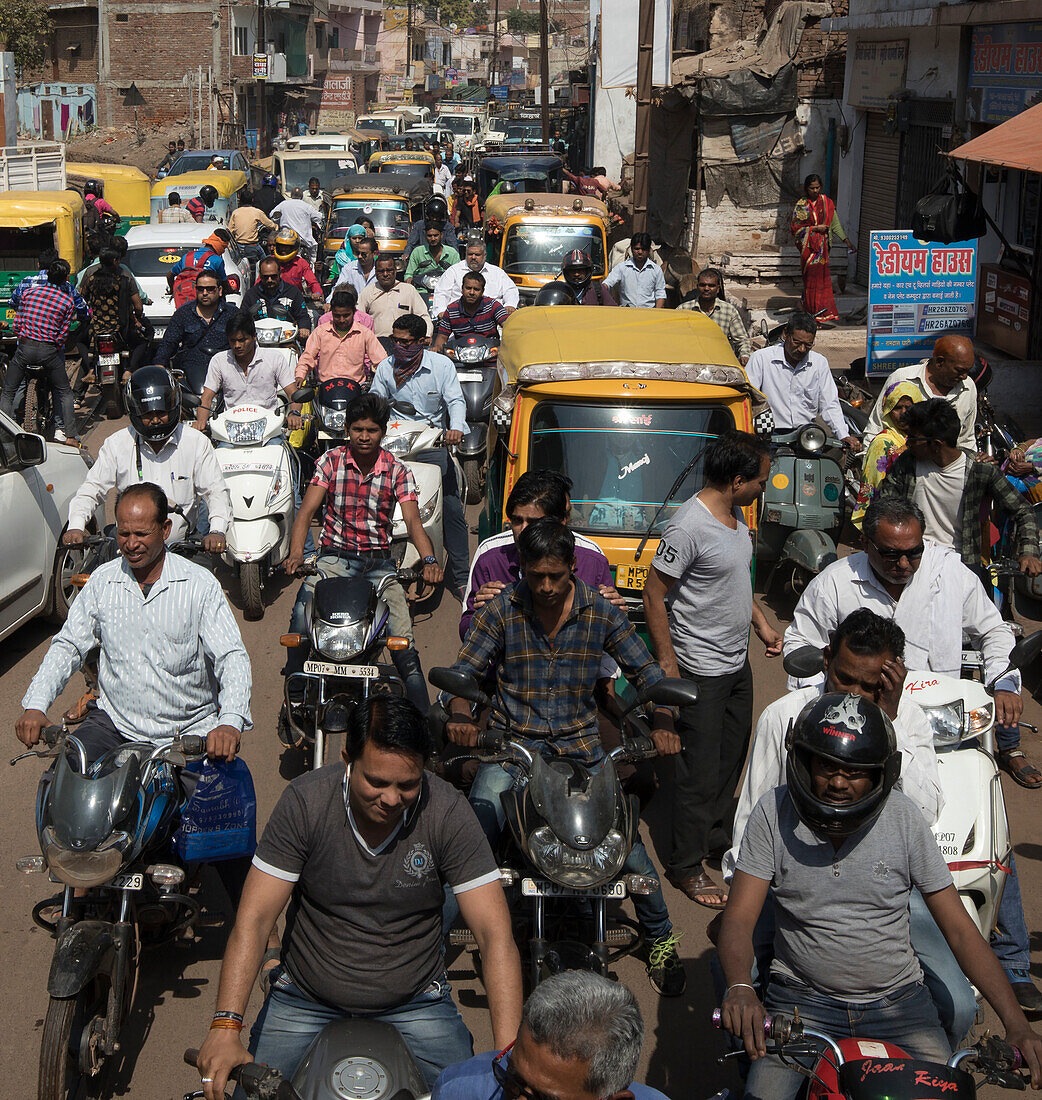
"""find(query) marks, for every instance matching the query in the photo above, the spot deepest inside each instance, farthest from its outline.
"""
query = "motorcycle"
(355, 1059)
(803, 507)
(111, 359)
(480, 379)
(346, 631)
(426, 285)
(407, 438)
(972, 830)
(104, 833)
(571, 829)
(997, 433)
(867, 1069)
(259, 473)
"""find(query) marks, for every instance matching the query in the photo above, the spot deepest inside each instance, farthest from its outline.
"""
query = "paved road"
(178, 986)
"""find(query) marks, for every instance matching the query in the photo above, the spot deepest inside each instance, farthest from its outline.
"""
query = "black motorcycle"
(104, 831)
(571, 828)
(479, 377)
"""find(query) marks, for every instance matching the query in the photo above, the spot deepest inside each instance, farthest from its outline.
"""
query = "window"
(242, 41)
(334, 38)
(123, 18)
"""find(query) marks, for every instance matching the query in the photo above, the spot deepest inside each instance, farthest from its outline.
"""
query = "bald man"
(945, 374)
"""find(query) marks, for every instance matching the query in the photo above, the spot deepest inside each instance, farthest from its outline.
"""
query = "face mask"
(406, 356)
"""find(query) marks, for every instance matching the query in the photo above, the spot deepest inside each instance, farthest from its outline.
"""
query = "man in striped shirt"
(45, 311)
(472, 314)
(363, 483)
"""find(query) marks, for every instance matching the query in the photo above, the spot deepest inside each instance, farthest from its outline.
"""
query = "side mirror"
(406, 409)
(304, 394)
(456, 683)
(806, 661)
(29, 450)
(672, 693)
(190, 400)
(1026, 650)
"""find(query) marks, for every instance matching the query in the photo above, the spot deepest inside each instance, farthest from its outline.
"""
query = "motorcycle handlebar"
(193, 745)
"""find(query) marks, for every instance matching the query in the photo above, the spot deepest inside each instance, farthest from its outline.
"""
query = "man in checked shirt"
(542, 640)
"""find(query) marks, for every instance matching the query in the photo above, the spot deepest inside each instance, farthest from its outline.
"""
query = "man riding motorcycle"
(577, 272)
(273, 297)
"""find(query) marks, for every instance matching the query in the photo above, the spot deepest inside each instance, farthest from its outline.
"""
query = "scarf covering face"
(406, 362)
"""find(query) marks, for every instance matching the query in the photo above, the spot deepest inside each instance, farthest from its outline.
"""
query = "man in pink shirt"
(339, 349)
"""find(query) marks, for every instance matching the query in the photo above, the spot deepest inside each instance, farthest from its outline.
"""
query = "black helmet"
(208, 194)
(152, 390)
(847, 730)
(555, 294)
(332, 399)
(436, 210)
(577, 270)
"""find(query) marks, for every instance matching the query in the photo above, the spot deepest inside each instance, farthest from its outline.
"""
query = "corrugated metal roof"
(1016, 143)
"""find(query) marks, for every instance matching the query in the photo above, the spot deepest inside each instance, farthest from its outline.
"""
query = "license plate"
(10, 314)
(128, 882)
(108, 360)
(631, 576)
(469, 375)
(353, 672)
(540, 888)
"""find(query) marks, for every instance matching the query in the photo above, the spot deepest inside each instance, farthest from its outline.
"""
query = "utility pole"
(263, 145)
(408, 46)
(642, 145)
(493, 67)
(544, 69)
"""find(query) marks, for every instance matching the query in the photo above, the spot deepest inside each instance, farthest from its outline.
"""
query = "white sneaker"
(59, 436)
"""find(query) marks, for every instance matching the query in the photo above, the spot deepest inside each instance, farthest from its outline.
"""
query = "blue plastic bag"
(220, 820)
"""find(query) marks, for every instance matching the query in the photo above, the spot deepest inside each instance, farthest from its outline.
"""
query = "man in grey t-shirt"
(362, 857)
(699, 602)
(841, 850)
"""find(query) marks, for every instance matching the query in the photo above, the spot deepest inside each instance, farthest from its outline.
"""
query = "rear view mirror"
(672, 693)
(304, 394)
(806, 661)
(29, 450)
(1026, 650)
(405, 408)
(190, 400)
(458, 684)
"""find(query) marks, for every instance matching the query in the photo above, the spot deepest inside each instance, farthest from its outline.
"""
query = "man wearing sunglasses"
(580, 1039)
(935, 599)
(279, 300)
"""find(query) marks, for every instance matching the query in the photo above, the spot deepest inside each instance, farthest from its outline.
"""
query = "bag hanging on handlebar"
(220, 820)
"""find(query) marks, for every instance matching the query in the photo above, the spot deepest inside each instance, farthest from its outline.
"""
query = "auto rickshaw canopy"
(227, 183)
(126, 188)
(35, 209)
(544, 204)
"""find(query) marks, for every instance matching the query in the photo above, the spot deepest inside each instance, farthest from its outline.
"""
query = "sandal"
(700, 887)
(1024, 772)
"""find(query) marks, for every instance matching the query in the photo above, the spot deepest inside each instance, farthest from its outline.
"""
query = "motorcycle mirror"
(405, 408)
(458, 684)
(1026, 650)
(305, 393)
(808, 660)
(672, 693)
(191, 400)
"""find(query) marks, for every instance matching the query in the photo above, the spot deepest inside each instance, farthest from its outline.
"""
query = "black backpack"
(946, 215)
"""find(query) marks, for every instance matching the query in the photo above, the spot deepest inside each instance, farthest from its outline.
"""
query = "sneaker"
(59, 435)
(665, 970)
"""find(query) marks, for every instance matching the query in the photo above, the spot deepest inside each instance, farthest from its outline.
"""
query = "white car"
(468, 131)
(153, 249)
(37, 482)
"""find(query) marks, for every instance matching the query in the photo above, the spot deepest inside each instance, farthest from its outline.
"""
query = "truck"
(36, 167)
(393, 120)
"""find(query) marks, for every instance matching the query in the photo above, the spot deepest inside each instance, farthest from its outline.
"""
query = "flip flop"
(1020, 773)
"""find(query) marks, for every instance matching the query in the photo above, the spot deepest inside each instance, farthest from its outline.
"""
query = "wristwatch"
(430, 559)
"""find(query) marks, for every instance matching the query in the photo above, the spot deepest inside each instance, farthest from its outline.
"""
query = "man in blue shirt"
(580, 1038)
(196, 332)
(640, 280)
(428, 382)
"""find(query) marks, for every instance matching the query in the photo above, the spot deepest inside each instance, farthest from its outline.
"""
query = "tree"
(24, 28)
(523, 22)
(460, 12)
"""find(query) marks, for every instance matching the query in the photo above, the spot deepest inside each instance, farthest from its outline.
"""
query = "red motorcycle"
(867, 1069)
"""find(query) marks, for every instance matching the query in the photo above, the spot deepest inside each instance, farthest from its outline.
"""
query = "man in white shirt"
(797, 381)
(293, 213)
(498, 284)
(442, 174)
(945, 374)
(360, 272)
(157, 448)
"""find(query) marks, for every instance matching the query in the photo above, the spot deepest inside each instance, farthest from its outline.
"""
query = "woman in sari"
(886, 446)
(814, 224)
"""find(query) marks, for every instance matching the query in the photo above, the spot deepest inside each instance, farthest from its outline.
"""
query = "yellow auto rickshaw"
(125, 188)
(403, 162)
(621, 401)
(529, 235)
(30, 222)
(390, 204)
(231, 188)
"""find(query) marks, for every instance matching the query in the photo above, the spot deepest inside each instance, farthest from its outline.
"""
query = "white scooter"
(273, 333)
(408, 434)
(259, 475)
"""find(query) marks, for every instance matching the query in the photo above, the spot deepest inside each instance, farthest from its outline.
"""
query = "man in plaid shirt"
(45, 311)
(713, 304)
(542, 641)
(363, 482)
(473, 313)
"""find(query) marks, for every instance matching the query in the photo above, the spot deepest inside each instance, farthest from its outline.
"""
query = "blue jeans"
(453, 520)
(1010, 940)
(289, 1021)
(906, 1017)
(950, 989)
(52, 358)
(492, 780)
(1007, 738)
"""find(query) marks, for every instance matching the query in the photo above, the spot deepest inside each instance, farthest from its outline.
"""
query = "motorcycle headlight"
(401, 444)
(427, 510)
(267, 337)
(338, 643)
(246, 431)
(274, 490)
(474, 353)
(82, 869)
(812, 439)
(574, 868)
(947, 722)
(333, 419)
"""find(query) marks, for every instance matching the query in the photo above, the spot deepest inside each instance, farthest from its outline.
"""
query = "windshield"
(191, 163)
(405, 169)
(386, 125)
(390, 218)
(457, 124)
(333, 144)
(524, 131)
(532, 249)
(150, 262)
(299, 171)
(623, 460)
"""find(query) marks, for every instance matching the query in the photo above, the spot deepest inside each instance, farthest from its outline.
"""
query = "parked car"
(153, 249)
(198, 160)
(37, 482)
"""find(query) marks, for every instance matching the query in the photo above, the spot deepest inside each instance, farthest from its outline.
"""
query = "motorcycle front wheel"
(474, 475)
(60, 1076)
(251, 589)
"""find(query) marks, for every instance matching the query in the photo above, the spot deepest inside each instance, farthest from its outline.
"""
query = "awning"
(1016, 143)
